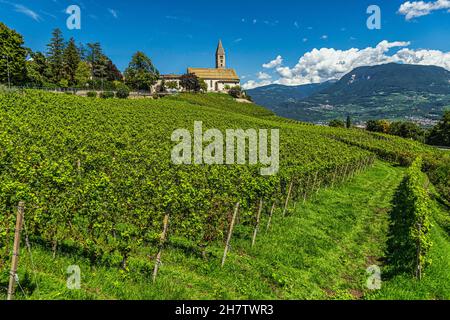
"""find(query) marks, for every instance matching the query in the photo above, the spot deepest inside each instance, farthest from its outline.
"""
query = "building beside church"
(217, 79)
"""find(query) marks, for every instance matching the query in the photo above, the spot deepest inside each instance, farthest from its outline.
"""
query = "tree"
(378, 126)
(12, 56)
(162, 86)
(409, 130)
(336, 123)
(103, 68)
(190, 82)
(82, 51)
(440, 133)
(93, 54)
(71, 61)
(348, 122)
(141, 74)
(97, 61)
(37, 69)
(112, 72)
(82, 74)
(55, 54)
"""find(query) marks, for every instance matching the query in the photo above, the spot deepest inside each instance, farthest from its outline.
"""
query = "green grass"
(436, 282)
(319, 251)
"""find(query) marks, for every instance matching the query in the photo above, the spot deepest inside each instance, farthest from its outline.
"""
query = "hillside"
(388, 79)
(274, 95)
(391, 91)
(97, 179)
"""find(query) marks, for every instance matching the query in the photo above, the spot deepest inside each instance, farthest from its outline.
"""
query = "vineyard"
(96, 175)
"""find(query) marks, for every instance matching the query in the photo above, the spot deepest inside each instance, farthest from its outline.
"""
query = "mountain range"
(389, 91)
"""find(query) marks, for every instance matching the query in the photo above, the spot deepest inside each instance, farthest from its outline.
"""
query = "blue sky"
(177, 34)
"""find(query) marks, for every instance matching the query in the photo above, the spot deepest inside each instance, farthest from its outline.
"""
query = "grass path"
(320, 251)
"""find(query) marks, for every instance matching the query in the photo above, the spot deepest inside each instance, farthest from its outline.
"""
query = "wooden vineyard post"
(270, 216)
(334, 177)
(79, 166)
(344, 176)
(306, 189)
(287, 198)
(318, 186)
(258, 217)
(16, 250)
(419, 267)
(230, 231)
(161, 245)
(6, 236)
(359, 168)
(314, 182)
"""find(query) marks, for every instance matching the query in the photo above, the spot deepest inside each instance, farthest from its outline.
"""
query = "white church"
(218, 79)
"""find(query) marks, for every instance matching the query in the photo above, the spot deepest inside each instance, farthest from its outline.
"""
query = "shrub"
(203, 85)
(91, 94)
(172, 85)
(123, 91)
(235, 92)
(336, 123)
(107, 95)
(6, 89)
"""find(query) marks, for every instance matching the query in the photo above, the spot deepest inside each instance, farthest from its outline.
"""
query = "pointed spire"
(220, 50)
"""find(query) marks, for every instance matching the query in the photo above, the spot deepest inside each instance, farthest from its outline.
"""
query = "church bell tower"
(220, 56)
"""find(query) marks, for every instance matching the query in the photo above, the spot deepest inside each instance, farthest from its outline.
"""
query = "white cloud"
(264, 76)
(325, 64)
(424, 57)
(27, 11)
(319, 65)
(296, 25)
(305, 39)
(274, 63)
(113, 13)
(48, 14)
(254, 84)
(237, 40)
(416, 9)
(324, 37)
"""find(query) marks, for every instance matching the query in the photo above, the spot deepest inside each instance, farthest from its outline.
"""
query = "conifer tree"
(71, 61)
(55, 53)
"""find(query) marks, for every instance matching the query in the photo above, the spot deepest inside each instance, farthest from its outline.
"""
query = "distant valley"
(390, 91)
